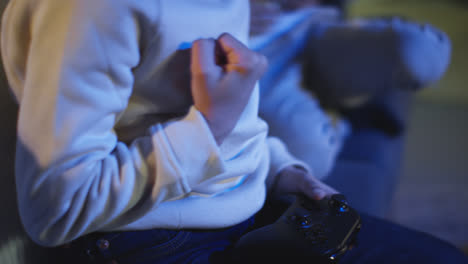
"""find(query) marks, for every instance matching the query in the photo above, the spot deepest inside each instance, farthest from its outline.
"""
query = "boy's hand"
(295, 180)
(224, 73)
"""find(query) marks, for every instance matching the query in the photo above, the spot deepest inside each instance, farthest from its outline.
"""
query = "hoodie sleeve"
(73, 175)
(280, 158)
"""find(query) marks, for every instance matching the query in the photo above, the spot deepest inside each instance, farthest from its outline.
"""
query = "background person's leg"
(380, 62)
(368, 167)
(365, 57)
(383, 242)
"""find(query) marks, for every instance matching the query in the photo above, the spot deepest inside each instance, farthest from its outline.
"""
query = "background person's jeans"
(379, 241)
(384, 242)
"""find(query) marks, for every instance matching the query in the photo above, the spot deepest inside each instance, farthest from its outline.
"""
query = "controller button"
(344, 208)
(340, 206)
(303, 222)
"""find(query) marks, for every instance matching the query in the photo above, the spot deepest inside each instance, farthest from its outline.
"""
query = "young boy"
(132, 149)
(89, 75)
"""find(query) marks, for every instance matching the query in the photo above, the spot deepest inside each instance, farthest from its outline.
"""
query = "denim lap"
(163, 246)
(379, 241)
(141, 247)
(136, 246)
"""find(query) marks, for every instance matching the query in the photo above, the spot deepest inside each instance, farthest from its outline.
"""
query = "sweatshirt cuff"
(190, 152)
(280, 158)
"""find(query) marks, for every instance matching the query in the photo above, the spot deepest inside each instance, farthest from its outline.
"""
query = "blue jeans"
(155, 246)
(384, 242)
(379, 241)
(368, 167)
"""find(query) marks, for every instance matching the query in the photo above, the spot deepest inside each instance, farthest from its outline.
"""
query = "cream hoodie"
(90, 75)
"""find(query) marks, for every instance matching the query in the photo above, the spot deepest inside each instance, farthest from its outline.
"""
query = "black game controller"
(317, 231)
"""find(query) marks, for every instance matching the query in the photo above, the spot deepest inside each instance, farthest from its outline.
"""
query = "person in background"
(363, 71)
